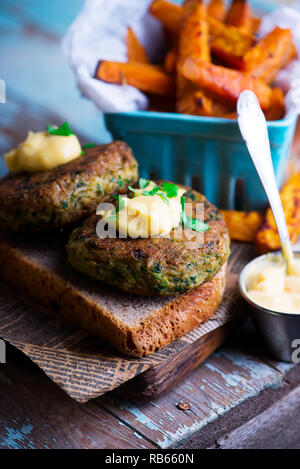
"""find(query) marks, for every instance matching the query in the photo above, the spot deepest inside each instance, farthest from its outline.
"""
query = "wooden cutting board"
(87, 367)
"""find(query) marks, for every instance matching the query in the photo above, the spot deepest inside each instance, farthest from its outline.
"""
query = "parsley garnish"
(163, 197)
(121, 204)
(193, 223)
(166, 191)
(170, 189)
(153, 191)
(87, 145)
(143, 183)
(64, 130)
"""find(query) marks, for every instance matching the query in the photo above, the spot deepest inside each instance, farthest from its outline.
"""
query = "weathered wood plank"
(227, 379)
(160, 378)
(276, 428)
(35, 413)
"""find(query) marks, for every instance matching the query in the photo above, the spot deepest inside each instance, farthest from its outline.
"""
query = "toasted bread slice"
(135, 325)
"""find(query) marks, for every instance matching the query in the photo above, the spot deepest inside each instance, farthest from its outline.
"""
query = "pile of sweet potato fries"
(212, 56)
(254, 227)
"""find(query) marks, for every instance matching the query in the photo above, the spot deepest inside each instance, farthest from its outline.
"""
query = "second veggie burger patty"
(158, 266)
(53, 199)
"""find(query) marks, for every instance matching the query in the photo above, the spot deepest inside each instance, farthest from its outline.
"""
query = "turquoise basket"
(203, 152)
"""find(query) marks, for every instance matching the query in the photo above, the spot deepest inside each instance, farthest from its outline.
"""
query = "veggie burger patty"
(158, 266)
(53, 199)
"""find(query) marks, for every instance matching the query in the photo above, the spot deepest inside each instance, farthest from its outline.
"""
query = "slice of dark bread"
(135, 325)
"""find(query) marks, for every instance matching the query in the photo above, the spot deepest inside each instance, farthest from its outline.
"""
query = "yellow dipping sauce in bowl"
(268, 285)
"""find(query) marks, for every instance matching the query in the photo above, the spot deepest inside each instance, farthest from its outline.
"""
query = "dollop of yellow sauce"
(144, 216)
(42, 151)
(272, 288)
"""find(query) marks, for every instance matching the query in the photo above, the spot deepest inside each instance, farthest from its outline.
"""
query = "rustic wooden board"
(161, 378)
(86, 367)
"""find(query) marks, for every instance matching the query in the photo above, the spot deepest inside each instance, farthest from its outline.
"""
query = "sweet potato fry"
(267, 238)
(193, 41)
(229, 43)
(170, 62)
(221, 109)
(276, 110)
(168, 13)
(240, 15)
(203, 105)
(223, 82)
(216, 9)
(255, 24)
(194, 32)
(242, 226)
(231, 115)
(135, 50)
(270, 55)
(145, 77)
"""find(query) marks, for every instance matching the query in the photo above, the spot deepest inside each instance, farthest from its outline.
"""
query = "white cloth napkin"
(99, 33)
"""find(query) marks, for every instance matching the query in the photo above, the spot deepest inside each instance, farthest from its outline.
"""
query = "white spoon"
(254, 130)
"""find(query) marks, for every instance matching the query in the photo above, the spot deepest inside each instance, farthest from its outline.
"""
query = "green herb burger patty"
(158, 266)
(64, 195)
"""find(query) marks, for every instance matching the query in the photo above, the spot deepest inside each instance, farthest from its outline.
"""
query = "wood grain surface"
(161, 378)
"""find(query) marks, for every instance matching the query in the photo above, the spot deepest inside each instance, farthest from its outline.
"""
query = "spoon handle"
(253, 127)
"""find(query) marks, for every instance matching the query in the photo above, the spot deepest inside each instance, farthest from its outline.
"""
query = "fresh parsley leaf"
(189, 222)
(89, 145)
(152, 192)
(170, 189)
(196, 225)
(132, 189)
(143, 183)
(163, 197)
(120, 204)
(64, 130)
(99, 188)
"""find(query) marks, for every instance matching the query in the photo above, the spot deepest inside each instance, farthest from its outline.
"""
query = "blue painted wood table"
(237, 398)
